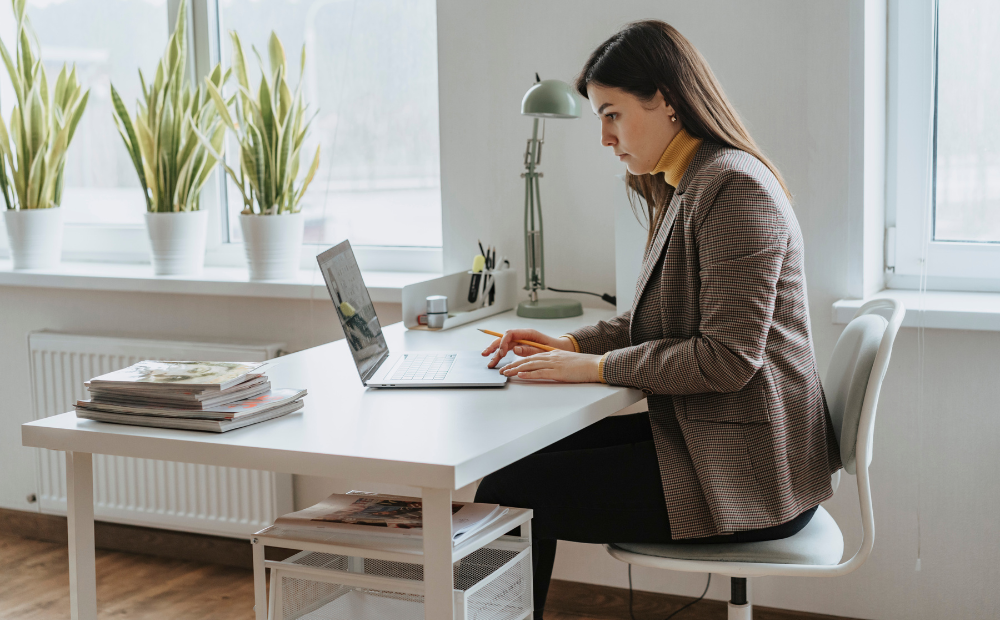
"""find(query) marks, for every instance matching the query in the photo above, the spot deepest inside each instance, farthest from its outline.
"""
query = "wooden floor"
(34, 585)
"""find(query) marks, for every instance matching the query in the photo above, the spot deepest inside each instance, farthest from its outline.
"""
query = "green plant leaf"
(239, 61)
(35, 180)
(36, 119)
(43, 84)
(305, 183)
(266, 112)
(13, 73)
(285, 101)
(220, 105)
(60, 90)
(131, 140)
(276, 54)
(4, 141)
(78, 114)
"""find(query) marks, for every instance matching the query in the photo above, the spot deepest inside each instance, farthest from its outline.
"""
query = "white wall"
(787, 66)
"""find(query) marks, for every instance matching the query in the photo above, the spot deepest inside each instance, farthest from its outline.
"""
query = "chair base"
(739, 604)
(740, 612)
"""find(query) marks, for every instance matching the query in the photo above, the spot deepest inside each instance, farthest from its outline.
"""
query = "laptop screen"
(354, 307)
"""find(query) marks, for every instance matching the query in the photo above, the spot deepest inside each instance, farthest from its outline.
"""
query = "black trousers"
(599, 485)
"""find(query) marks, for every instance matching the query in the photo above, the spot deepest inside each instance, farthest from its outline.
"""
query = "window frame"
(128, 243)
(911, 252)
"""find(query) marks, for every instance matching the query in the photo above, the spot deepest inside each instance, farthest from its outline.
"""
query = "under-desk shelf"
(399, 549)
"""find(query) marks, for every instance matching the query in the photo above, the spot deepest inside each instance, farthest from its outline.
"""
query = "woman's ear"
(657, 101)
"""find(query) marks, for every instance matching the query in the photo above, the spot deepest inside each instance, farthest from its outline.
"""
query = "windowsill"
(384, 286)
(941, 309)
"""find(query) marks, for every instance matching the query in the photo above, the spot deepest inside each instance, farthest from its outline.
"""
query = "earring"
(673, 119)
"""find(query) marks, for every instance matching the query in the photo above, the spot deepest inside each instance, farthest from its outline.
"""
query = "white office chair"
(852, 385)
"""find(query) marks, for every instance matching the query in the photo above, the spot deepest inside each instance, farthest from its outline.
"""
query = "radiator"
(179, 496)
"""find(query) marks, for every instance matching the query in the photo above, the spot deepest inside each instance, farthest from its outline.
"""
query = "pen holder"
(482, 287)
(456, 288)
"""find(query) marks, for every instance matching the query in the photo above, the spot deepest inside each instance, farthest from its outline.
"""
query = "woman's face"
(637, 131)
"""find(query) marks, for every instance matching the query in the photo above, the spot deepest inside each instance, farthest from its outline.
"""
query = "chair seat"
(819, 543)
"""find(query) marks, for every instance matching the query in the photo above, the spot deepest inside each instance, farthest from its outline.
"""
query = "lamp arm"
(541, 235)
(529, 264)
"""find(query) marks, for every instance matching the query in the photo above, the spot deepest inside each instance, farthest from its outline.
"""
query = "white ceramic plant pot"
(273, 244)
(177, 241)
(35, 237)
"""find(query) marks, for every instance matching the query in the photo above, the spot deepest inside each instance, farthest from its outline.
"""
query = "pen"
(543, 347)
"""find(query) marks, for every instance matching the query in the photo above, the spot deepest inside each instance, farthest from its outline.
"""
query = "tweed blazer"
(741, 426)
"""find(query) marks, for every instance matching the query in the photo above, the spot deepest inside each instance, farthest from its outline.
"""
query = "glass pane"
(109, 40)
(371, 73)
(967, 205)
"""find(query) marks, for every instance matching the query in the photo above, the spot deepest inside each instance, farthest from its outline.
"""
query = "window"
(967, 149)
(107, 41)
(944, 143)
(371, 77)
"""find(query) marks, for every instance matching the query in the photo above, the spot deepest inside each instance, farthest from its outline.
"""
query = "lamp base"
(549, 309)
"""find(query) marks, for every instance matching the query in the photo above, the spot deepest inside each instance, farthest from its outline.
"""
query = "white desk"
(439, 440)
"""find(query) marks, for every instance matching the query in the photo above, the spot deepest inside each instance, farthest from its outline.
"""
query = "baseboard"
(134, 539)
(593, 601)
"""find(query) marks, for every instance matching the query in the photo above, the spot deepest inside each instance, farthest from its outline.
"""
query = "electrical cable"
(632, 616)
(611, 299)
(329, 171)
(927, 226)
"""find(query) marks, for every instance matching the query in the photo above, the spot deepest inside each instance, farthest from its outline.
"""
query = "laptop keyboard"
(424, 367)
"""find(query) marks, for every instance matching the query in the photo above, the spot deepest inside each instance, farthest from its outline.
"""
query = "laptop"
(376, 365)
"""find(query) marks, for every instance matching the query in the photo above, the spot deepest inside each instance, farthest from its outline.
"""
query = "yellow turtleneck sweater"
(677, 157)
(673, 164)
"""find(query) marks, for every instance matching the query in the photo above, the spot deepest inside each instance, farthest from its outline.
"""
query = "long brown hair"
(651, 56)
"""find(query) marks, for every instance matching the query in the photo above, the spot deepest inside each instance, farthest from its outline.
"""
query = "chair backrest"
(853, 382)
(847, 380)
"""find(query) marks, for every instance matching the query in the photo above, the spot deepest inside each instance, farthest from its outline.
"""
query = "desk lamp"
(545, 99)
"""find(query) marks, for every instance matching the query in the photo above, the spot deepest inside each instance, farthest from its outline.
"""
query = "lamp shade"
(551, 99)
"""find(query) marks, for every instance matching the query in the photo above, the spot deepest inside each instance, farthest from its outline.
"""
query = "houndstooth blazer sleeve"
(605, 336)
(742, 238)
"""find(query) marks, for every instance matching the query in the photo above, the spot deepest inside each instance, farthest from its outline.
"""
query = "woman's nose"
(608, 138)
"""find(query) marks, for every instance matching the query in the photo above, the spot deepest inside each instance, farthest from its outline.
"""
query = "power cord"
(630, 615)
(611, 299)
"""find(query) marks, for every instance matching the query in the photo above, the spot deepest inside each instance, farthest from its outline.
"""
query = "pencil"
(543, 347)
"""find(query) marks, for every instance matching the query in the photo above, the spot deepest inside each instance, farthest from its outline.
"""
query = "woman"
(737, 444)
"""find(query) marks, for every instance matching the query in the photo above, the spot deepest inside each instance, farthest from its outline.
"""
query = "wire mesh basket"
(491, 583)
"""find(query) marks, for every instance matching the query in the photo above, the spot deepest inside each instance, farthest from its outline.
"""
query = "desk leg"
(80, 513)
(259, 581)
(438, 583)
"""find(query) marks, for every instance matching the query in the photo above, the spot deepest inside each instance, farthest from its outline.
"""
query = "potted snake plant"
(33, 150)
(171, 162)
(270, 125)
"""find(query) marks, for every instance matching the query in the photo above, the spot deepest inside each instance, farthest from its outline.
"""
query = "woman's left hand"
(557, 366)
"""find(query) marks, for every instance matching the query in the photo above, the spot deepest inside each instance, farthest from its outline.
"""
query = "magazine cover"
(213, 426)
(133, 390)
(388, 515)
(248, 406)
(381, 512)
(208, 375)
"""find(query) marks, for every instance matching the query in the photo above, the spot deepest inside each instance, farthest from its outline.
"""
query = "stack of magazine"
(201, 396)
(372, 514)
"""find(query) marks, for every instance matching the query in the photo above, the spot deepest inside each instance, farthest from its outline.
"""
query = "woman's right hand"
(501, 346)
